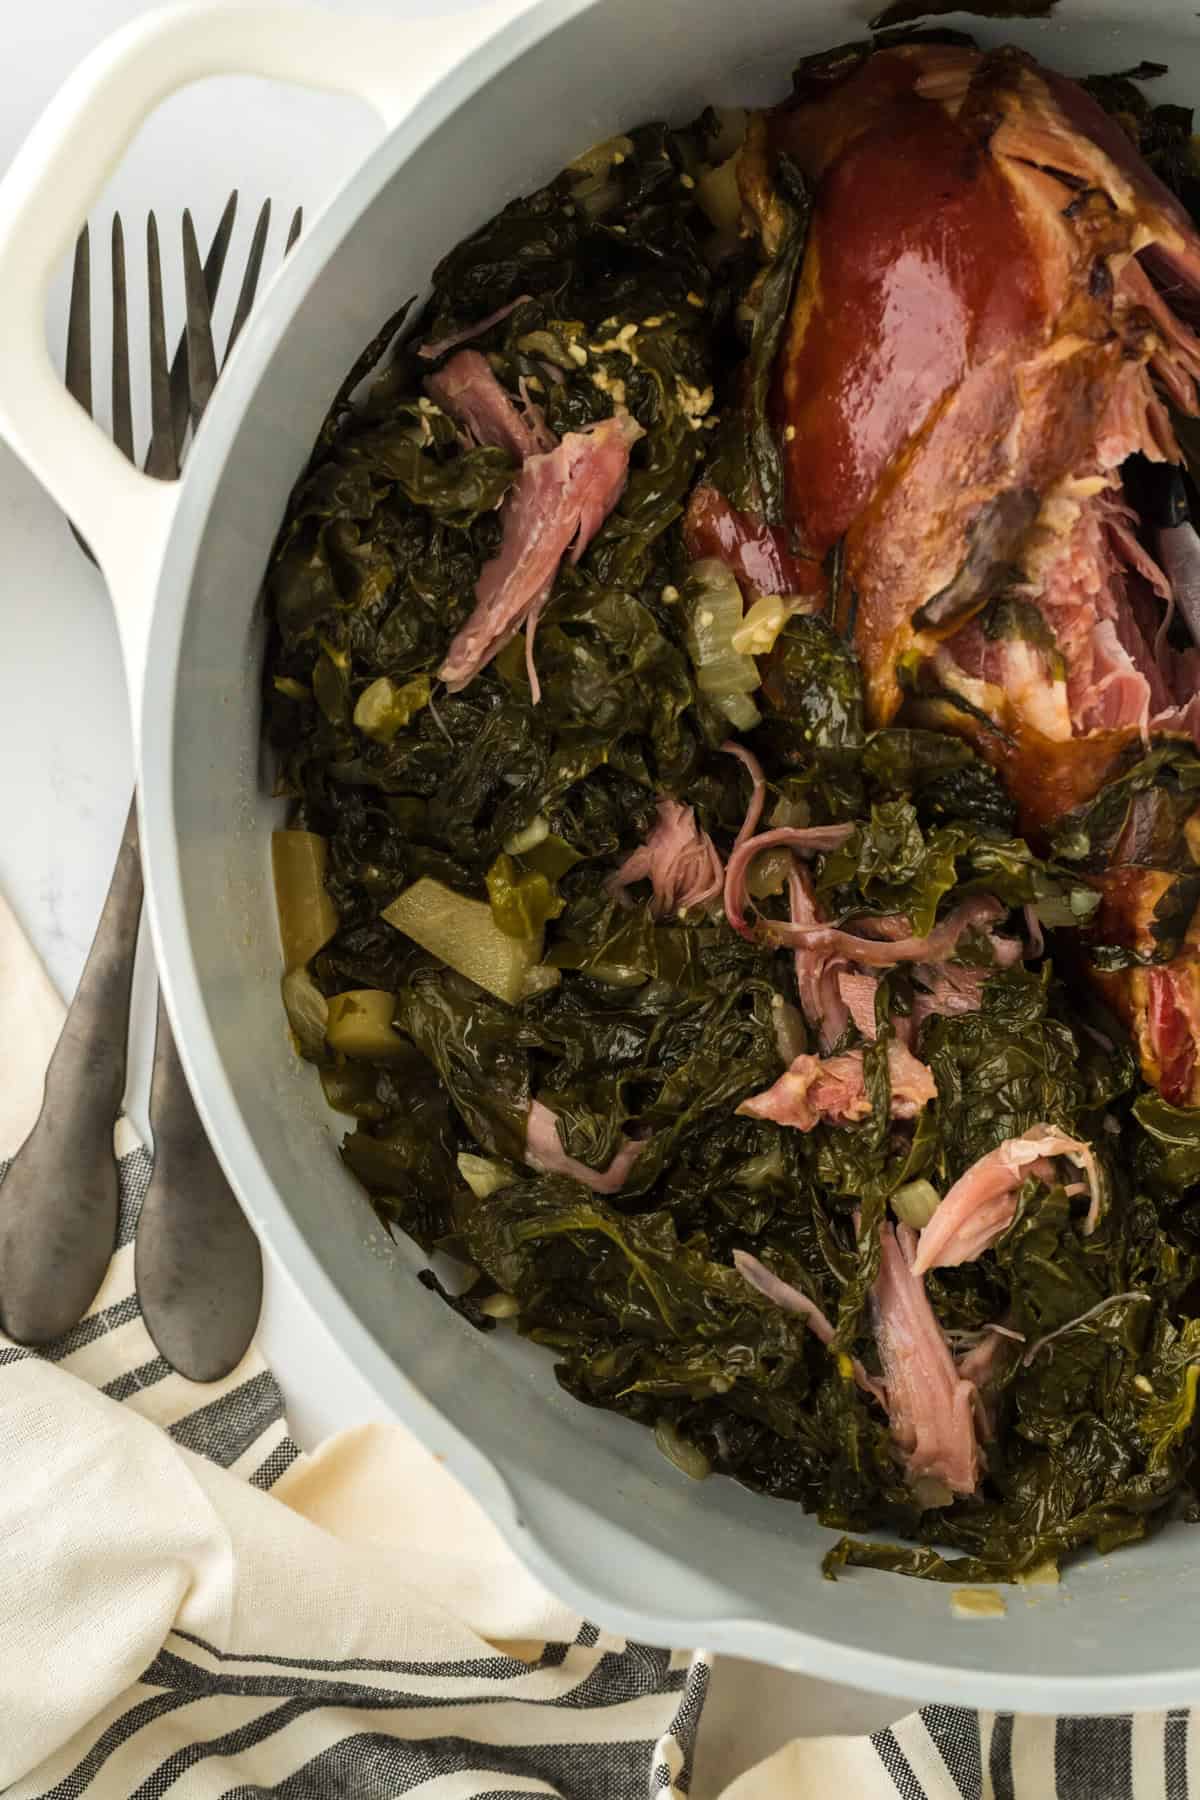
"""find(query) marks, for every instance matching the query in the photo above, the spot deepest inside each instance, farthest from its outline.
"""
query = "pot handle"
(64, 163)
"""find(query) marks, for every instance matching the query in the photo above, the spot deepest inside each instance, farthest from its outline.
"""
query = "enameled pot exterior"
(583, 1496)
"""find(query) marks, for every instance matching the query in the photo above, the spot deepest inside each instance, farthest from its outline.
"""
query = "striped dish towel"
(950, 1753)
(190, 1607)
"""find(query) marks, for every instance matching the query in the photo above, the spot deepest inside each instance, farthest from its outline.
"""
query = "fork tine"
(79, 324)
(294, 229)
(163, 459)
(202, 358)
(122, 407)
(185, 385)
(79, 341)
(214, 262)
(249, 287)
(214, 268)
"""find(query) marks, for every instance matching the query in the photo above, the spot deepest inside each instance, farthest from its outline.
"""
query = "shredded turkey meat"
(945, 991)
(932, 1409)
(857, 993)
(818, 975)
(469, 391)
(975, 914)
(805, 839)
(833, 1089)
(982, 1204)
(758, 789)
(557, 504)
(679, 861)
(440, 346)
(789, 1299)
(544, 1151)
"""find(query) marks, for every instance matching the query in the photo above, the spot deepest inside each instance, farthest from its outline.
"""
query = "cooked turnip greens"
(810, 1148)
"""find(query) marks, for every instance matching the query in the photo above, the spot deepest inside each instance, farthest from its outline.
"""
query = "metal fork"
(197, 1264)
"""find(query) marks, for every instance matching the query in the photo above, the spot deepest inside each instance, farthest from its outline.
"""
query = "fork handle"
(58, 1204)
(197, 1264)
(63, 165)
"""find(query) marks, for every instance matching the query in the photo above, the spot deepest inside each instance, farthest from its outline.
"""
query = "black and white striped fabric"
(593, 1718)
(948, 1751)
(598, 1718)
(237, 1423)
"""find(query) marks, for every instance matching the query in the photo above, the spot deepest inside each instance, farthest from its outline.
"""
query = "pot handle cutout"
(63, 165)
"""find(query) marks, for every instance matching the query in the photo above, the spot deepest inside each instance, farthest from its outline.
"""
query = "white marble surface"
(65, 762)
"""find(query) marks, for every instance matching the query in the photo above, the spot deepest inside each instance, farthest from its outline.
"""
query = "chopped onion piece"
(915, 1203)
(677, 1450)
(307, 1013)
(1043, 1574)
(601, 157)
(500, 1306)
(719, 195)
(791, 1039)
(714, 614)
(384, 708)
(462, 933)
(483, 1176)
(756, 634)
(528, 838)
(307, 916)
(760, 1171)
(360, 1025)
(739, 709)
(977, 1603)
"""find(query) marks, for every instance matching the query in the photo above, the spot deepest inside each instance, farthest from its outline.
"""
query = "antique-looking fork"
(197, 1264)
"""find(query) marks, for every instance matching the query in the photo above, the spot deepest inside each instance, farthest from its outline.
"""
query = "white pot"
(479, 107)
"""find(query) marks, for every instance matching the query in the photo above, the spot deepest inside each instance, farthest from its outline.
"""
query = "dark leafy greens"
(651, 1030)
(748, 466)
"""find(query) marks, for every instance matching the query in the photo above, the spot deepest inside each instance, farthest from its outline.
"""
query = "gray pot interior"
(588, 1497)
